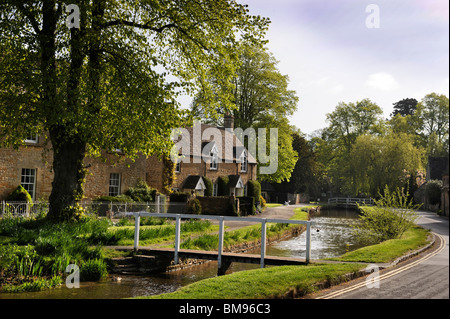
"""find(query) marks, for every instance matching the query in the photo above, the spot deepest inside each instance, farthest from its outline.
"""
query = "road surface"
(423, 277)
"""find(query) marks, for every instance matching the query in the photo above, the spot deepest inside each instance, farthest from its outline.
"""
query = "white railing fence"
(108, 209)
(350, 201)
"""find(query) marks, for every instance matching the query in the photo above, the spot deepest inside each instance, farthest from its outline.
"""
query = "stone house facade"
(31, 167)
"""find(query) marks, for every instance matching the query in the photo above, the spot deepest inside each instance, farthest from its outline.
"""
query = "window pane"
(28, 180)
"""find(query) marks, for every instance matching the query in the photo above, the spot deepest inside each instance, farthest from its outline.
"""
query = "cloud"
(337, 88)
(382, 81)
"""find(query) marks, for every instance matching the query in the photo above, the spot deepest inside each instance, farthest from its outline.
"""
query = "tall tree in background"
(404, 107)
(433, 115)
(106, 81)
(261, 100)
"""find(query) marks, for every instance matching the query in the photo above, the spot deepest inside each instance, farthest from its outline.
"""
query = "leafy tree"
(377, 161)
(113, 81)
(261, 100)
(433, 116)
(404, 107)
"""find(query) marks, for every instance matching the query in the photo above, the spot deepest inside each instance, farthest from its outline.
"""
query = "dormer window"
(213, 164)
(244, 162)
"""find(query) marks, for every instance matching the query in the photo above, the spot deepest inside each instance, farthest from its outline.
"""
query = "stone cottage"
(31, 167)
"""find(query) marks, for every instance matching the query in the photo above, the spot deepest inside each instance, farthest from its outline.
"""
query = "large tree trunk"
(69, 174)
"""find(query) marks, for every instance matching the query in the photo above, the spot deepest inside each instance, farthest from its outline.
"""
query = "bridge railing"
(221, 219)
(350, 201)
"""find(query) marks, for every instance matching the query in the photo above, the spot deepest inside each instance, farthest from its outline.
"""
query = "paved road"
(424, 277)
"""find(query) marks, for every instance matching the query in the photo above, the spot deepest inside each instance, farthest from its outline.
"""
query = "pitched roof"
(194, 182)
(229, 147)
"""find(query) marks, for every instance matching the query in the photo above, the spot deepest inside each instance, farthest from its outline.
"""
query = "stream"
(330, 237)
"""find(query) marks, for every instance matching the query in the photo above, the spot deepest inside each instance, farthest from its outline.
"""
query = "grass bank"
(266, 283)
(389, 250)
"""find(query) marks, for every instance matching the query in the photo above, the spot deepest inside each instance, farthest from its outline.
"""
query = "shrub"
(116, 199)
(209, 186)
(262, 202)
(254, 190)
(93, 270)
(433, 191)
(391, 217)
(20, 194)
(141, 193)
(223, 184)
(194, 207)
(179, 197)
(72, 213)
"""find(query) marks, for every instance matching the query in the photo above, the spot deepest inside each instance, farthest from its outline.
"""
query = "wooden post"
(137, 221)
(263, 242)
(177, 239)
(157, 203)
(308, 241)
(220, 251)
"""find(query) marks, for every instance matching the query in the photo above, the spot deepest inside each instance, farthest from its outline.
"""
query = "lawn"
(265, 283)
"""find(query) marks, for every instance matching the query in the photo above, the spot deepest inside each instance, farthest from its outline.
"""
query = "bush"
(209, 186)
(262, 202)
(93, 270)
(433, 191)
(223, 186)
(141, 193)
(391, 217)
(194, 207)
(254, 190)
(116, 199)
(20, 194)
(72, 213)
(179, 197)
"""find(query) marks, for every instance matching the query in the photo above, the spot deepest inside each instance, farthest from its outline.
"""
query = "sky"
(348, 50)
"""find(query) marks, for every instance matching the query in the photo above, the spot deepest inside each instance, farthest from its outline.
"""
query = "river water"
(330, 237)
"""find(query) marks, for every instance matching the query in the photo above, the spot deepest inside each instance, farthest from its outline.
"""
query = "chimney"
(228, 122)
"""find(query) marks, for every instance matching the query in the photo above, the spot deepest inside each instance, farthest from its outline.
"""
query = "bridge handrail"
(221, 219)
(349, 200)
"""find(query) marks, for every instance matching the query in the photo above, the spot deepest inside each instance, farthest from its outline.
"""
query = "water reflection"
(331, 236)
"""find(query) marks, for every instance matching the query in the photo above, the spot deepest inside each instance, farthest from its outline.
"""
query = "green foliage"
(75, 212)
(141, 193)
(262, 201)
(393, 215)
(114, 82)
(254, 190)
(179, 197)
(194, 207)
(20, 194)
(116, 199)
(209, 186)
(223, 186)
(433, 191)
(93, 270)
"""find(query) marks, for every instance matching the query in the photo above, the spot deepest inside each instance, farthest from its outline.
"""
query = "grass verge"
(273, 282)
(389, 250)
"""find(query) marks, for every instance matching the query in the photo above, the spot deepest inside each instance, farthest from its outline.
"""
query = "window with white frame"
(178, 166)
(28, 180)
(215, 189)
(114, 184)
(244, 162)
(214, 160)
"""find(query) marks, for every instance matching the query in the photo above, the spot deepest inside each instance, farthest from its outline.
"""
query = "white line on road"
(388, 274)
